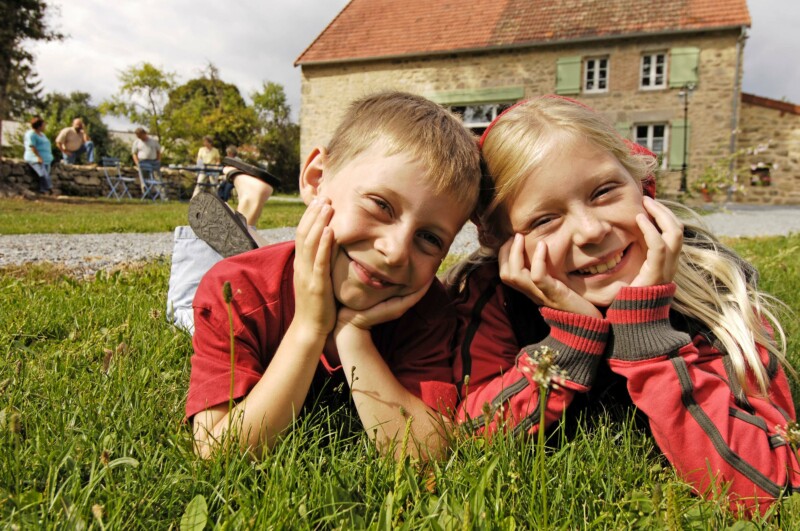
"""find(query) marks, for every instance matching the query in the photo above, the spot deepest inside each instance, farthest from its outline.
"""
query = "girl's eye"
(603, 190)
(540, 222)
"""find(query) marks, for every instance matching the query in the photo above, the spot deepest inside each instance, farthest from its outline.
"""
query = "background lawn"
(90, 215)
(92, 388)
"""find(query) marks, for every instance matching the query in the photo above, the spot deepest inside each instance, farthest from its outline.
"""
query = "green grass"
(89, 215)
(92, 388)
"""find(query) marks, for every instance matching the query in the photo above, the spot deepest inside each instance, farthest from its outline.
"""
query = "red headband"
(648, 183)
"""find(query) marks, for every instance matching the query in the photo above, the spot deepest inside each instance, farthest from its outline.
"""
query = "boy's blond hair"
(410, 124)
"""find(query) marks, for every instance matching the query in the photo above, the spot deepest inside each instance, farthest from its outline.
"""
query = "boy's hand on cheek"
(382, 312)
(315, 305)
(536, 283)
(664, 239)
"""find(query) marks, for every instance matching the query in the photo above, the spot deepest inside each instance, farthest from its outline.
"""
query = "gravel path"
(88, 253)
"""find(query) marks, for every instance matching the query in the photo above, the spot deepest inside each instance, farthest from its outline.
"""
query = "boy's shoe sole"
(255, 171)
(213, 221)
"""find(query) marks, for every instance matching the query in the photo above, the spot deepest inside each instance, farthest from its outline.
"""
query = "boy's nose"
(395, 245)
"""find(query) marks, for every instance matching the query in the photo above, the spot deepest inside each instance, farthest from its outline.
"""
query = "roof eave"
(528, 44)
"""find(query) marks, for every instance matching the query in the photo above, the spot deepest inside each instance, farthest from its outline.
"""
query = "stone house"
(631, 60)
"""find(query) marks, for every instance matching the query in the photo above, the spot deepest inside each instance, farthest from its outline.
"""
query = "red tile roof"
(367, 29)
(769, 103)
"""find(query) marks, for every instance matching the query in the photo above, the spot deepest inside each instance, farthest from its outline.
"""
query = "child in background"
(354, 297)
(595, 268)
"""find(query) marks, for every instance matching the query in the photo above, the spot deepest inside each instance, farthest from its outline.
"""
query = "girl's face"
(583, 204)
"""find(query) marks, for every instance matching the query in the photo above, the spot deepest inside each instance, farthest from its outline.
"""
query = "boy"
(386, 199)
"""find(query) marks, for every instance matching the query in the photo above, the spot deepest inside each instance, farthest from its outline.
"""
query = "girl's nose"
(590, 228)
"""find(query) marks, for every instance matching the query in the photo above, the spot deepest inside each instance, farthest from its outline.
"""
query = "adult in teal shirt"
(39, 154)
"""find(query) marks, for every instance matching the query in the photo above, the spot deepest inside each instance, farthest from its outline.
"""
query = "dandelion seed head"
(546, 372)
(790, 432)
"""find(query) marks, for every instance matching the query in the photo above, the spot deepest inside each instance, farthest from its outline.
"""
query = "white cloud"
(252, 41)
(770, 67)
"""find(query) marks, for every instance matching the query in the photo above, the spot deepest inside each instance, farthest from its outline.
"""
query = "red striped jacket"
(700, 417)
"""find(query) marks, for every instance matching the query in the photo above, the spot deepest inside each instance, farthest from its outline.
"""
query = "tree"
(142, 95)
(20, 21)
(279, 138)
(206, 106)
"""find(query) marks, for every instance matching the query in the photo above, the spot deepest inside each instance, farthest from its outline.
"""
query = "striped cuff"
(640, 326)
(578, 340)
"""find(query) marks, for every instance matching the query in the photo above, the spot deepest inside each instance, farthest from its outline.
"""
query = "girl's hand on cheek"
(664, 239)
(314, 301)
(536, 282)
(382, 312)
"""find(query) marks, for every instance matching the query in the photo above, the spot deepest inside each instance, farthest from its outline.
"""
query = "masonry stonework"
(713, 115)
(17, 178)
(778, 130)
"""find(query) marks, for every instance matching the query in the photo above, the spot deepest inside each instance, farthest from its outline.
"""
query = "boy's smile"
(583, 204)
(391, 228)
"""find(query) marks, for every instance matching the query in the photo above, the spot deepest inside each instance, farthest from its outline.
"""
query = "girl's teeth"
(602, 268)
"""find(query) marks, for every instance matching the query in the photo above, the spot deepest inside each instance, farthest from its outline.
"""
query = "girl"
(618, 287)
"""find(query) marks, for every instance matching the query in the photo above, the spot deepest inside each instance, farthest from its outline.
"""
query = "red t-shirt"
(415, 346)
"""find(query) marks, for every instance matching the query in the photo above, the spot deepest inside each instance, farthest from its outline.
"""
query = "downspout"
(737, 96)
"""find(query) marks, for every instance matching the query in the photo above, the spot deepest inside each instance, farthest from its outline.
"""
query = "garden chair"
(117, 184)
(150, 178)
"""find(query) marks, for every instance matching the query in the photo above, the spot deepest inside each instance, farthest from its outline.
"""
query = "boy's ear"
(312, 174)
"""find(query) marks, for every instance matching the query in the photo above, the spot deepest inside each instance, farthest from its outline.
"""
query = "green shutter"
(624, 129)
(568, 75)
(677, 134)
(477, 96)
(683, 66)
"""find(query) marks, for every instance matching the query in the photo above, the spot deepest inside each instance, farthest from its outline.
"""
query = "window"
(478, 117)
(595, 74)
(654, 138)
(653, 71)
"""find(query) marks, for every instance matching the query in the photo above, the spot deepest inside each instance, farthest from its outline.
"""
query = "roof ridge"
(321, 33)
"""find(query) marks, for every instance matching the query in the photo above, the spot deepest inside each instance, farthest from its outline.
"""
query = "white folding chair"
(117, 184)
(150, 176)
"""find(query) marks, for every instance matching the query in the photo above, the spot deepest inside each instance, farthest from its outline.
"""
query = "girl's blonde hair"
(715, 286)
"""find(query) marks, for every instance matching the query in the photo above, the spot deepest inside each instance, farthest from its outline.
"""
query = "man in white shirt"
(146, 149)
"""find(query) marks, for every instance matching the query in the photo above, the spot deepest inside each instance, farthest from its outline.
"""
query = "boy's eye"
(431, 240)
(381, 204)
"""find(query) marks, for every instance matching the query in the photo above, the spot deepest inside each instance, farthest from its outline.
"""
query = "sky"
(253, 41)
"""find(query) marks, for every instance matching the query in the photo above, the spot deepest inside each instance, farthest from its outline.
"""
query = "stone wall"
(327, 89)
(18, 179)
(775, 125)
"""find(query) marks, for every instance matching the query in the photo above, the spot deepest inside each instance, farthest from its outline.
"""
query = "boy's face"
(392, 231)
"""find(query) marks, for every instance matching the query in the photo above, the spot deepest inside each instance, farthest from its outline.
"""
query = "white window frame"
(653, 57)
(649, 139)
(496, 108)
(592, 68)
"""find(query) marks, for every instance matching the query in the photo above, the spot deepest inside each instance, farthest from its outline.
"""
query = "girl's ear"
(312, 174)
